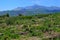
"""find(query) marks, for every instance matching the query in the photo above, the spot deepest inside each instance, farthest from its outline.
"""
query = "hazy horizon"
(11, 4)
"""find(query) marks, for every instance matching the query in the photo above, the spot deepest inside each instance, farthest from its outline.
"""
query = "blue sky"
(11, 4)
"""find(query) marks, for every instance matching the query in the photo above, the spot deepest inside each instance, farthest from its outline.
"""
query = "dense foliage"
(41, 25)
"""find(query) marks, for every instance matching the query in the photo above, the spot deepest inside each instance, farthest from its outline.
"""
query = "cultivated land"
(34, 27)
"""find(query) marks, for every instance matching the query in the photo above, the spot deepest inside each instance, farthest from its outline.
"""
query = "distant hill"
(31, 10)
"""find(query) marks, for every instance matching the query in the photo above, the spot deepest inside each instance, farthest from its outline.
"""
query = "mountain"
(31, 10)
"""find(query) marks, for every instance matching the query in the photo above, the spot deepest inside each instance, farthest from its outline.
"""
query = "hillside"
(34, 27)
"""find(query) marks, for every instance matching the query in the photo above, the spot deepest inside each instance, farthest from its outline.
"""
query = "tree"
(7, 14)
(20, 15)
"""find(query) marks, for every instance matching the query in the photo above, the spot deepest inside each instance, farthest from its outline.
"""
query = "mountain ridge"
(31, 10)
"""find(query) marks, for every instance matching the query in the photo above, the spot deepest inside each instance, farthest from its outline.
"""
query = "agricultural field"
(34, 27)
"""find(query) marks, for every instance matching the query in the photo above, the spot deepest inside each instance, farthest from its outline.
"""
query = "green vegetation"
(41, 26)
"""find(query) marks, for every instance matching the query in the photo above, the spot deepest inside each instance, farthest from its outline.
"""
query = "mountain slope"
(30, 10)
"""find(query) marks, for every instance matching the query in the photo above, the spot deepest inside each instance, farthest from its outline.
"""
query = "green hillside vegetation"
(36, 27)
